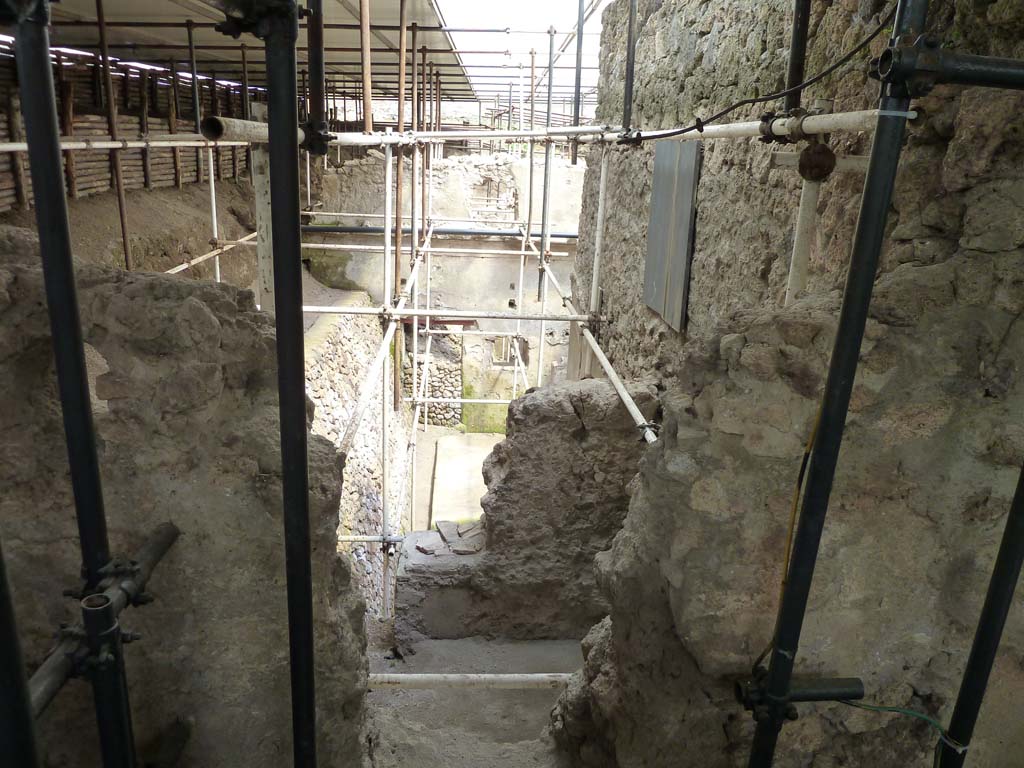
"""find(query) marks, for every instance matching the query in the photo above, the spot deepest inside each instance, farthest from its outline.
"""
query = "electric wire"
(637, 137)
(944, 736)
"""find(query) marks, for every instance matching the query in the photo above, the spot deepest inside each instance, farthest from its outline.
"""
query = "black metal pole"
(998, 601)
(246, 108)
(190, 25)
(867, 246)
(38, 104)
(109, 685)
(55, 670)
(196, 108)
(627, 99)
(797, 51)
(317, 71)
(285, 209)
(17, 726)
(577, 101)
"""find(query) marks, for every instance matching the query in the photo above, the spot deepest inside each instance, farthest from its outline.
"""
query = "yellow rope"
(793, 510)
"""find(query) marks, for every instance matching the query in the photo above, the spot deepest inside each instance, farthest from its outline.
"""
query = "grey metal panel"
(670, 229)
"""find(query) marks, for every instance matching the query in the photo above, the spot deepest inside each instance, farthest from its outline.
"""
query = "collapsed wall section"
(185, 403)
(932, 449)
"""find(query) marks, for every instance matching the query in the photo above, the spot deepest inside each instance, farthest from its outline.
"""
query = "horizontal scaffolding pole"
(51, 675)
(442, 231)
(359, 539)
(455, 400)
(442, 314)
(807, 125)
(439, 137)
(545, 680)
(79, 145)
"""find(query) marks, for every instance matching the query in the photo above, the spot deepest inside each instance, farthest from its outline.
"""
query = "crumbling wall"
(338, 351)
(556, 495)
(187, 420)
(932, 450)
(358, 185)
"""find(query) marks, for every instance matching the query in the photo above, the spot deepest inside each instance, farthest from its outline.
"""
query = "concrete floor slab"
(463, 728)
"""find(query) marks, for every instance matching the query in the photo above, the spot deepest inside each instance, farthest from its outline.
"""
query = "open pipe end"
(212, 128)
(96, 602)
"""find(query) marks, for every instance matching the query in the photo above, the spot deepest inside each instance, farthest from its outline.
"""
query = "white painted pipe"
(368, 387)
(595, 276)
(613, 377)
(213, 211)
(454, 400)
(69, 145)
(812, 125)
(211, 255)
(451, 314)
(462, 332)
(806, 229)
(545, 680)
(309, 185)
(387, 230)
(440, 137)
(360, 539)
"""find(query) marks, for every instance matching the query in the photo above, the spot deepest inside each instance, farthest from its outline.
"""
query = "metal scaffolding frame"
(909, 67)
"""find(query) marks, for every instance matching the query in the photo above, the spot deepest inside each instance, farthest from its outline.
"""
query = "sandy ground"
(466, 728)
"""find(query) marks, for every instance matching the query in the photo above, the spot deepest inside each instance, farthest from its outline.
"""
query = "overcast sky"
(532, 17)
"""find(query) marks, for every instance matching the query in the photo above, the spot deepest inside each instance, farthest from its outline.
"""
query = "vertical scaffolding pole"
(595, 277)
(109, 685)
(35, 80)
(424, 112)
(283, 149)
(867, 246)
(519, 148)
(115, 154)
(797, 51)
(998, 601)
(545, 248)
(385, 507)
(414, 242)
(196, 108)
(364, 47)
(576, 104)
(403, 13)
(213, 212)
(317, 69)
(17, 726)
(627, 99)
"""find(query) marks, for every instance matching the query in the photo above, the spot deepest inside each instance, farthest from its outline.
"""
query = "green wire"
(935, 724)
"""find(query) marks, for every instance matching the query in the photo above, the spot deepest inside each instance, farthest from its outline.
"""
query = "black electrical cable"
(699, 124)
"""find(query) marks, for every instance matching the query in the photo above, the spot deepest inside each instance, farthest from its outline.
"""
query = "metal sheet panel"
(671, 228)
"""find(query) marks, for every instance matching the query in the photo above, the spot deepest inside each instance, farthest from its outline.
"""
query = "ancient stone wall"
(445, 373)
(185, 402)
(338, 351)
(932, 450)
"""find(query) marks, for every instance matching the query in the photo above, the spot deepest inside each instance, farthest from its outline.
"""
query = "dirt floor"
(462, 728)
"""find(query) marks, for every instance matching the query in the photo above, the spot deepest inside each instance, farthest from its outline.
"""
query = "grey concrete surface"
(461, 728)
